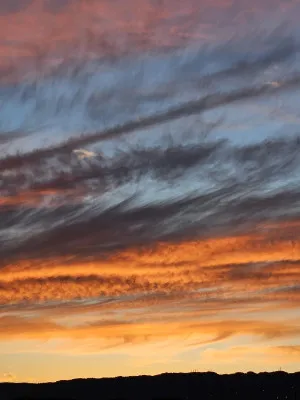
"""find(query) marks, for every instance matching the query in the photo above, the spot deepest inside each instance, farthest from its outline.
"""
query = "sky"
(149, 187)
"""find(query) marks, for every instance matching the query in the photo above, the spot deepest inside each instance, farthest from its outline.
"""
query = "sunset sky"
(149, 187)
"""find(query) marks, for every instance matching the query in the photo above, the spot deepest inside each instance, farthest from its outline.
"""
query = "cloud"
(190, 108)
(182, 244)
(233, 188)
(207, 290)
(102, 335)
(261, 264)
(270, 356)
(284, 350)
(82, 153)
(8, 377)
(13, 6)
(11, 136)
(56, 6)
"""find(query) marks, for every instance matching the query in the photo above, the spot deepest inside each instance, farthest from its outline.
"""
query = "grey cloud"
(235, 197)
(80, 208)
(12, 6)
(194, 107)
(55, 6)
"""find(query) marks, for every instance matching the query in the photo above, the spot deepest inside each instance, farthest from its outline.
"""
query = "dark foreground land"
(206, 386)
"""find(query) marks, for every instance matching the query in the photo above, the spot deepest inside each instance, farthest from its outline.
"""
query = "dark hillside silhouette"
(249, 386)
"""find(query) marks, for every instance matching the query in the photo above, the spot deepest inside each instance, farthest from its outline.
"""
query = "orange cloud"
(258, 265)
(113, 333)
(195, 294)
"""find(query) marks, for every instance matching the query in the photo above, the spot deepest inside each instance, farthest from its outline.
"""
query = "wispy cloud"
(153, 227)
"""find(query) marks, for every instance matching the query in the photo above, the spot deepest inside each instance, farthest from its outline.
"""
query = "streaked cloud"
(137, 228)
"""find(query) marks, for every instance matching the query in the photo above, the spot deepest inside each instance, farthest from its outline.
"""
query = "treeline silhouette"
(184, 386)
